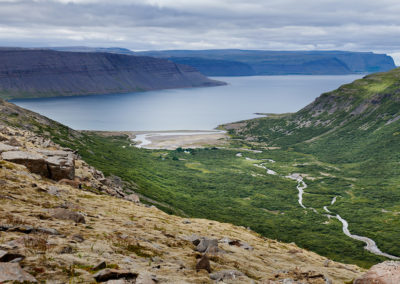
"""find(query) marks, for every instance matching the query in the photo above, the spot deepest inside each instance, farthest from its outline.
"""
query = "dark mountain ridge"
(46, 73)
(264, 62)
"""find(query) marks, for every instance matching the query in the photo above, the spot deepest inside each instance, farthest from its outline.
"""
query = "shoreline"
(173, 139)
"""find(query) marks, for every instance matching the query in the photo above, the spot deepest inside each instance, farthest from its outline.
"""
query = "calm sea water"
(194, 109)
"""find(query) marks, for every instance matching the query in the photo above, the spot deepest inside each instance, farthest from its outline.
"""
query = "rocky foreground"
(63, 221)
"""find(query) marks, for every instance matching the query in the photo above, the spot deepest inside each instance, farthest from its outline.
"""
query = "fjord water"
(192, 109)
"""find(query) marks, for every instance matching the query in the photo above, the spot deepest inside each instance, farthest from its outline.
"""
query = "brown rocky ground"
(60, 233)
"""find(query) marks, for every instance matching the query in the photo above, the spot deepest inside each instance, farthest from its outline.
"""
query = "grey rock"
(53, 190)
(78, 238)
(133, 197)
(226, 275)
(100, 265)
(49, 231)
(14, 142)
(65, 214)
(207, 245)
(6, 148)
(14, 272)
(204, 263)
(145, 278)
(387, 272)
(111, 274)
(6, 256)
(54, 165)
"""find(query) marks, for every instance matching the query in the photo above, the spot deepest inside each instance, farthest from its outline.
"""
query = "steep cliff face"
(45, 73)
(264, 62)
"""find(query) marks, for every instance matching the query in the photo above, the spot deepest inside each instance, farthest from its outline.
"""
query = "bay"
(187, 109)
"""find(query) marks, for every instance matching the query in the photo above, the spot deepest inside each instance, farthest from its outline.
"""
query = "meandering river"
(370, 244)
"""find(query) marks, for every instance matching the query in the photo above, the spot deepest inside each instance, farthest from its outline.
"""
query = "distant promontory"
(26, 73)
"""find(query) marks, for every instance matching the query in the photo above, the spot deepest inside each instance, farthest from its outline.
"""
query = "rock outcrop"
(387, 272)
(13, 272)
(48, 73)
(54, 165)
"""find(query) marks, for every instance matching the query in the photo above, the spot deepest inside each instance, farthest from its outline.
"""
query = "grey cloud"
(165, 24)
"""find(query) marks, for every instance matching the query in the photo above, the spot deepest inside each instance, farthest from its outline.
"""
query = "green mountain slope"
(345, 145)
(355, 123)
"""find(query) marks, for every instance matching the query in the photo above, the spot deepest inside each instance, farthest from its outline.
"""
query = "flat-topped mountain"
(264, 62)
(47, 73)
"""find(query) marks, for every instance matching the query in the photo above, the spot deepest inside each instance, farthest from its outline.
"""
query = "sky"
(355, 25)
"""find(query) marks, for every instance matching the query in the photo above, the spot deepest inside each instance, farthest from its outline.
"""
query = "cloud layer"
(191, 24)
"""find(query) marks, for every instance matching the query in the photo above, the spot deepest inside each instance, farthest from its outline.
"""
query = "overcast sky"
(358, 25)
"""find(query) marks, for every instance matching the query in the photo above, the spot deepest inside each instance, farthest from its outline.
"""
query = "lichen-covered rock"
(65, 214)
(204, 263)
(110, 274)
(226, 275)
(13, 272)
(387, 272)
(54, 165)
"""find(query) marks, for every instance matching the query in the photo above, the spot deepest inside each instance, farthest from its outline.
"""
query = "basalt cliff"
(47, 73)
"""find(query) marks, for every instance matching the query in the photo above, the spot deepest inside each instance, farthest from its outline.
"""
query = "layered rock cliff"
(45, 73)
(264, 62)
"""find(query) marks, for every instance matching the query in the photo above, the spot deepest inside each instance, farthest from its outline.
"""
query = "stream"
(301, 185)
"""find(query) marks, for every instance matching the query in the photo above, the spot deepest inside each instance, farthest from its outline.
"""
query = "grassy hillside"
(345, 145)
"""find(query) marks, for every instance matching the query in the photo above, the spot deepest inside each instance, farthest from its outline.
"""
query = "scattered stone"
(66, 250)
(100, 266)
(78, 238)
(53, 190)
(118, 281)
(326, 263)
(145, 278)
(204, 263)
(133, 197)
(111, 274)
(14, 142)
(387, 272)
(14, 272)
(49, 231)
(21, 228)
(237, 243)
(5, 148)
(206, 245)
(6, 256)
(225, 275)
(186, 222)
(65, 214)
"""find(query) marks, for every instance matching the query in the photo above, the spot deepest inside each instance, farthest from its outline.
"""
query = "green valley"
(344, 145)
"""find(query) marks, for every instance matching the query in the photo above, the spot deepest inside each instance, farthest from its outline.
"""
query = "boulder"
(100, 265)
(13, 272)
(133, 197)
(65, 214)
(53, 190)
(6, 148)
(145, 278)
(204, 263)
(55, 165)
(6, 256)
(387, 272)
(207, 245)
(225, 275)
(14, 142)
(111, 274)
